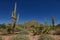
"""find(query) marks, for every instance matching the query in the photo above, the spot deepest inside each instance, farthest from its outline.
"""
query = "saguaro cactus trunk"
(53, 22)
(14, 24)
(14, 19)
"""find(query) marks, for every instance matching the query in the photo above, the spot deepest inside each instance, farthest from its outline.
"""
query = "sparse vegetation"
(45, 37)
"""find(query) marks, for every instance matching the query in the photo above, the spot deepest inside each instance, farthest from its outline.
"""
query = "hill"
(32, 23)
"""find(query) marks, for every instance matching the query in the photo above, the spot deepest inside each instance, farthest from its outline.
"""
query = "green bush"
(57, 31)
(20, 37)
(17, 29)
(45, 37)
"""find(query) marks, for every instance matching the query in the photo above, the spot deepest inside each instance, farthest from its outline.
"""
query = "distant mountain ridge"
(34, 23)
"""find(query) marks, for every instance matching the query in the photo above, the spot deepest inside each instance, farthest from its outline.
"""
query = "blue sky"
(30, 10)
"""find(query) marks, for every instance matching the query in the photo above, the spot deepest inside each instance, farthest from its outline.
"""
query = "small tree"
(3, 26)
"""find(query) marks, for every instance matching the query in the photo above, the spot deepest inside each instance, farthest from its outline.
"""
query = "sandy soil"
(8, 37)
(56, 37)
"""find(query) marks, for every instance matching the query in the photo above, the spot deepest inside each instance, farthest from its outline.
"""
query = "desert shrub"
(9, 30)
(17, 29)
(3, 31)
(57, 32)
(38, 30)
(41, 30)
(24, 32)
(52, 32)
(45, 37)
(3, 26)
(20, 37)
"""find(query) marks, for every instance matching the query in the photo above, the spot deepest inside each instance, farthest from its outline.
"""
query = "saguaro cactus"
(53, 21)
(14, 19)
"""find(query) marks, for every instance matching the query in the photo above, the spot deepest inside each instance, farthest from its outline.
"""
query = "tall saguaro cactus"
(53, 21)
(14, 19)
